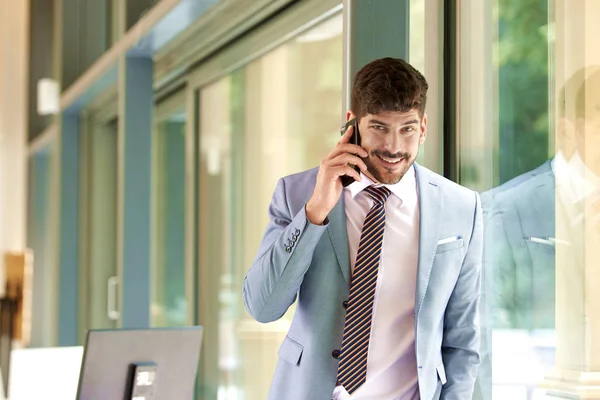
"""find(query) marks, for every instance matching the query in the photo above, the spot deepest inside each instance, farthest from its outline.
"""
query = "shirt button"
(336, 354)
(345, 304)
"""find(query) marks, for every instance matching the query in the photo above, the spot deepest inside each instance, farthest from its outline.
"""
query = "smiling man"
(386, 271)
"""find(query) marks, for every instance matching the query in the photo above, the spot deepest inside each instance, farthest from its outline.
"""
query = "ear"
(580, 127)
(566, 137)
(349, 115)
(423, 127)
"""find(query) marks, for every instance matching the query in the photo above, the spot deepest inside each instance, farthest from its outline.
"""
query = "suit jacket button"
(297, 231)
(288, 249)
(345, 304)
(336, 354)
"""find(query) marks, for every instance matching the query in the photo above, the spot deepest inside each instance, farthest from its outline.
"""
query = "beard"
(383, 174)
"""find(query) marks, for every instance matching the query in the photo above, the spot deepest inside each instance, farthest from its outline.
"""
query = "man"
(538, 231)
(386, 271)
(544, 212)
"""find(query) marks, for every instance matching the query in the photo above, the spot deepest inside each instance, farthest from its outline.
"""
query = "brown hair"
(388, 84)
(572, 95)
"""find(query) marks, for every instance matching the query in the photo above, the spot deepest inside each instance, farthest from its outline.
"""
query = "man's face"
(588, 125)
(392, 140)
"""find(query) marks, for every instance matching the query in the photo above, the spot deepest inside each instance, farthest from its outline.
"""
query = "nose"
(393, 142)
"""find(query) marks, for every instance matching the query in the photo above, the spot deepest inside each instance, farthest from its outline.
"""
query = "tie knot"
(379, 194)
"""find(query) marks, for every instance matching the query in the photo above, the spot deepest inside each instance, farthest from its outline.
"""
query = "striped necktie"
(352, 370)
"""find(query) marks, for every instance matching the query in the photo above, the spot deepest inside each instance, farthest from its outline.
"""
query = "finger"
(345, 170)
(347, 148)
(371, 177)
(347, 135)
(346, 158)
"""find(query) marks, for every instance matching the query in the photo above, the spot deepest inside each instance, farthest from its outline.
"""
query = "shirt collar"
(402, 189)
(573, 177)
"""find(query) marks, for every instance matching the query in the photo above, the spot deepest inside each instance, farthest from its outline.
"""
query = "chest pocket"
(539, 244)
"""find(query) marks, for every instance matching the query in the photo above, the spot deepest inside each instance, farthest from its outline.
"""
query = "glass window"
(278, 115)
(169, 303)
(39, 239)
(528, 95)
(426, 56)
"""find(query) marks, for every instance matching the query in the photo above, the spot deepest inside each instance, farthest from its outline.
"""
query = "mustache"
(391, 156)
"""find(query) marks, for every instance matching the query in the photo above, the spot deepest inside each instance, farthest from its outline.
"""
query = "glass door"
(99, 280)
(277, 114)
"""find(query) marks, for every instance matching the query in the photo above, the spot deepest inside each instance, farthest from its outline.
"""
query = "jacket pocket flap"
(441, 371)
(291, 351)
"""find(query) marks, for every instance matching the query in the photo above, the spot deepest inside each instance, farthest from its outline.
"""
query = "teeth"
(391, 161)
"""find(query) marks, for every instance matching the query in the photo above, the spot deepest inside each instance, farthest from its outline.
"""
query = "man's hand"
(328, 188)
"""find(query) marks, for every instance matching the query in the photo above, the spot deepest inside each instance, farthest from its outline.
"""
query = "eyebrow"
(411, 122)
(375, 121)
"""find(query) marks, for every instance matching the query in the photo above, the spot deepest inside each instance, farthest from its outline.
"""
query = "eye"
(378, 127)
(409, 129)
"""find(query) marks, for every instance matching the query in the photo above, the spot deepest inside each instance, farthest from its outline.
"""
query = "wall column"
(14, 77)
(135, 158)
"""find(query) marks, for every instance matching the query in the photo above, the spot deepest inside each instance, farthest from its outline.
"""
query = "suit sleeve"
(285, 253)
(461, 341)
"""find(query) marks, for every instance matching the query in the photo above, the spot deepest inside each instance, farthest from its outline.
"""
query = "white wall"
(14, 60)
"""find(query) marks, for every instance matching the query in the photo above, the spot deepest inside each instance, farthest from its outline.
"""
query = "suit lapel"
(545, 202)
(339, 237)
(430, 207)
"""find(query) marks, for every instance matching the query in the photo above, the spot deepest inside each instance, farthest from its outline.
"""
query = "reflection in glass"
(529, 141)
(504, 132)
(169, 303)
(277, 115)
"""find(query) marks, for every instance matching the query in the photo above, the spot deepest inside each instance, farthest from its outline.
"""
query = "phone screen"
(354, 139)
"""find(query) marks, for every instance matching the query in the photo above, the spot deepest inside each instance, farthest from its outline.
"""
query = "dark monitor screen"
(141, 364)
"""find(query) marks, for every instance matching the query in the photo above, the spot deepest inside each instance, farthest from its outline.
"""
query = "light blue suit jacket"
(487, 198)
(308, 263)
(519, 260)
(494, 265)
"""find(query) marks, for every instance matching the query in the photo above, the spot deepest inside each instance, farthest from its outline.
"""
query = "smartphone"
(354, 139)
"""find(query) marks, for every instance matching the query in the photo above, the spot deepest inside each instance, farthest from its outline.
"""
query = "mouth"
(390, 163)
